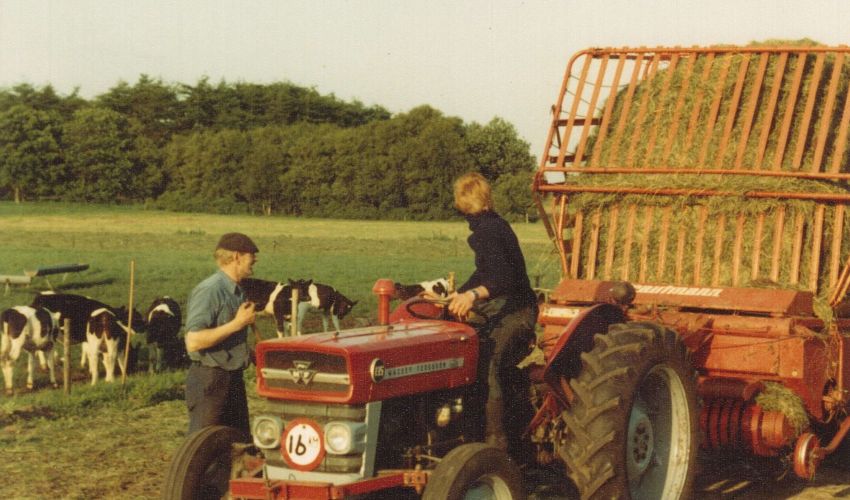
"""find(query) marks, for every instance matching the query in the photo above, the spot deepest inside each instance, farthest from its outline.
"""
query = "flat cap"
(237, 242)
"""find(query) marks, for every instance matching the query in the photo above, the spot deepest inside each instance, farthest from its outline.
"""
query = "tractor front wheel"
(475, 470)
(202, 465)
(632, 429)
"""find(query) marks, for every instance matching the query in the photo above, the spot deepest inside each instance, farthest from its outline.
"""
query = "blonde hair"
(223, 256)
(472, 194)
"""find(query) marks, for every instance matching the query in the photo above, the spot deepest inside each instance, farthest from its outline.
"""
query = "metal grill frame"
(762, 109)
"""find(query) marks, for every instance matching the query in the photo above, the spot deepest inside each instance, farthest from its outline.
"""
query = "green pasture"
(173, 251)
(50, 440)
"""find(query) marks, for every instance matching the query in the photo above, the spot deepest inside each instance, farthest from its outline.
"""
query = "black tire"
(200, 468)
(476, 469)
(632, 431)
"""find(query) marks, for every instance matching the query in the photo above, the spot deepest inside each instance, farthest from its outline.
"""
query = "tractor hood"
(368, 364)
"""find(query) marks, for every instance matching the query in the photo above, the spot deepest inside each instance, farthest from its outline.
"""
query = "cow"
(95, 325)
(326, 299)
(274, 298)
(438, 287)
(165, 348)
(32, 330)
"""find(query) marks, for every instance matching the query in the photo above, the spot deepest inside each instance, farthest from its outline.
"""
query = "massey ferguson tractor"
(697, 199)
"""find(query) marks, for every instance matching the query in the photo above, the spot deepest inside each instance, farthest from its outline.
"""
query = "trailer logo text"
(678, 290)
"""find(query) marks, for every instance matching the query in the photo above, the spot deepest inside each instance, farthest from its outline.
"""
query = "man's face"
(245, 264)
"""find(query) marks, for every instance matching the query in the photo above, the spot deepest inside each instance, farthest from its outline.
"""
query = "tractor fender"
(577, 338)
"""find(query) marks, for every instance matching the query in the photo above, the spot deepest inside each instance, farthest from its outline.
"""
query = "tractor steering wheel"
(438, 309)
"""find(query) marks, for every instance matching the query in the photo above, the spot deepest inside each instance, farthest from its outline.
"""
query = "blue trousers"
(215, 396)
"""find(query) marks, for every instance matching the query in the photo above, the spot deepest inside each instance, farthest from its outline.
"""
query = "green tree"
(431, 155)
(512, 196)
(43, 99)
(151, 103)
(98, 145)
(266, 159)
(496, 149)
(30, 157)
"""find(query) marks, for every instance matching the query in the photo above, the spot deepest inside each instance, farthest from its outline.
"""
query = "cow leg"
(109, 359)
(303, 307)
(42, 362)
(281, 326)
(8, 372)
(84, 354)
(92, 348)
(324, 322)
(30, 370)
(335, 321)
(51, 367)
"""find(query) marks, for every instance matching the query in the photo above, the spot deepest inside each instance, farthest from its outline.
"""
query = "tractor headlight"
(342, 438)
(266, 431)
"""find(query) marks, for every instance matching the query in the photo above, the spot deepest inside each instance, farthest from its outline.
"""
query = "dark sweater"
(499, 263)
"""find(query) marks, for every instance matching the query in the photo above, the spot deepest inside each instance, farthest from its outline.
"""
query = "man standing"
(217, 322)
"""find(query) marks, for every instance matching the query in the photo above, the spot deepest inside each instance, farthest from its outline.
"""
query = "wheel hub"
(641, 441)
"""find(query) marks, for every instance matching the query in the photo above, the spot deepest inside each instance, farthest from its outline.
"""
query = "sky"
(474, 59)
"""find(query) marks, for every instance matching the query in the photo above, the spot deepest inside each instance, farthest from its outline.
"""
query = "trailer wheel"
(475, 470)
(201, 466)
(632, 430)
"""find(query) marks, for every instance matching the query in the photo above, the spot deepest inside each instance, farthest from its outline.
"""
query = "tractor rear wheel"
(473, 471)
(201, 466)
(632, 430)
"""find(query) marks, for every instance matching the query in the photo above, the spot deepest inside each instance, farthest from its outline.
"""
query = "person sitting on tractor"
(500, 289)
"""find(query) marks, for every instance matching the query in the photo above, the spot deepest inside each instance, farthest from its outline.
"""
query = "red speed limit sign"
(302, 445)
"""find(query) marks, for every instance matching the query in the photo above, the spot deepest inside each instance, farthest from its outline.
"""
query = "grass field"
(115, 442)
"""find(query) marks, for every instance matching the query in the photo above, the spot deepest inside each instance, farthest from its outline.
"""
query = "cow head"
(439, 287)
(139, 324)
(342, 305)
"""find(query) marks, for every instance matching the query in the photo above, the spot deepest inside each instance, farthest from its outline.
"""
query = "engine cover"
(368, 364)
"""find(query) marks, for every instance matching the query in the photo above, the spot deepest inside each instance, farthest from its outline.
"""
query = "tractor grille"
(305, 371)
(322, 414)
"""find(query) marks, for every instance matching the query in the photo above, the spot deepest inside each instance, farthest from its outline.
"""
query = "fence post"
(66, 361)
(294, 304)
(130, 331)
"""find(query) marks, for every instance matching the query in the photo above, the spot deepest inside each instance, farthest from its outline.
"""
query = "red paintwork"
(384, 289)
(258, 488)
(753, 300)
(399, 344)
(784, 343)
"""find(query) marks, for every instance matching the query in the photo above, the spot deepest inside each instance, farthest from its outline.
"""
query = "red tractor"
(697, 200)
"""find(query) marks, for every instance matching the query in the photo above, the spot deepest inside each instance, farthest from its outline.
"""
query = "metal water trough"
(26, 278)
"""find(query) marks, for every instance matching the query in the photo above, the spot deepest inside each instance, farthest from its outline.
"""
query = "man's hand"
(461, 303)
(245, 315)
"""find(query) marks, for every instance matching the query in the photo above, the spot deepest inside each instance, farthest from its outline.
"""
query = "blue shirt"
(212, 303)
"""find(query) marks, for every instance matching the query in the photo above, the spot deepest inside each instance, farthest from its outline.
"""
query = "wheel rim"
(658, 445)
(488, 487)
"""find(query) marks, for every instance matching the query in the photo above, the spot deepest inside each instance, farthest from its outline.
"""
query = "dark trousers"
(512, 338)
(506, 341)
(216, 397)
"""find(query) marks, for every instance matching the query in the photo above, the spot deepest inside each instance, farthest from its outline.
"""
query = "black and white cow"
(439, 287)
(327, 300)
(165, 348)
(274, 298)
(97, 326)
(31, 330)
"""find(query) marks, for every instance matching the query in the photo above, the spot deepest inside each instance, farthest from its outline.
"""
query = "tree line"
(241, 147)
